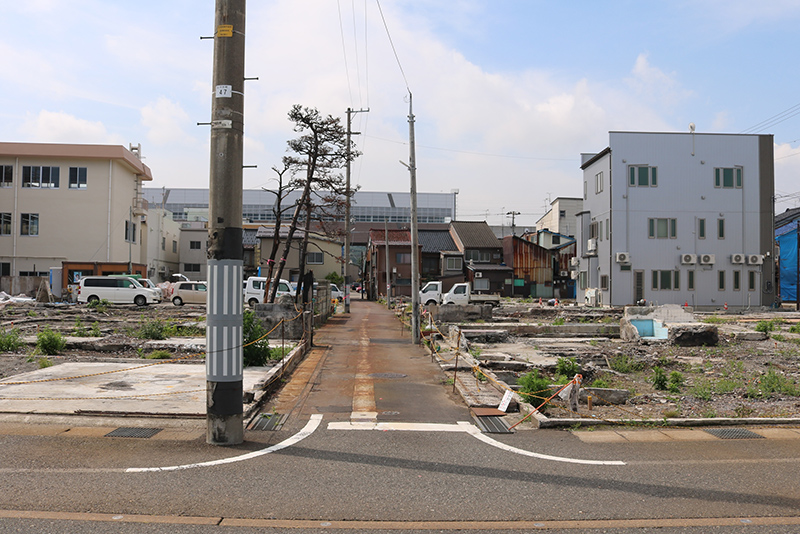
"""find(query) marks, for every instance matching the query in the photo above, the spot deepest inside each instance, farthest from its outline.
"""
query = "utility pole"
(386, 243)
(348, 194)
(513, 221)
(224, 365)
(412, 168)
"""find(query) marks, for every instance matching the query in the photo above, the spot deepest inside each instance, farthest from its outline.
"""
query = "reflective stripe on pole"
(224, 352)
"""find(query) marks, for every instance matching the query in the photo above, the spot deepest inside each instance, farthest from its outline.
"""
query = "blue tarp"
(788, 274)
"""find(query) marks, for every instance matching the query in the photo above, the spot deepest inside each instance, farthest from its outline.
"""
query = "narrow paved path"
(364, 367)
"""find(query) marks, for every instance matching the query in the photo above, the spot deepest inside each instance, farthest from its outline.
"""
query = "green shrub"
(676, 381)
(335, 278)
(659, 378)
(559, 321)
(702, 390)
(10, 340)
(600, 383)
(94, 331)
(715, 319)
(50, 342)
(795, 328)
(99, 305)
(44, 362)
(534, 389)
(765, 326)
(154, 329)
(567, 367)
(622, 363)
(256, 353)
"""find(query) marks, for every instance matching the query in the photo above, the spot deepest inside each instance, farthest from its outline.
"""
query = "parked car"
(115, 289)
(256, 285)
(189, 293)
(146, 282)
(336, 293)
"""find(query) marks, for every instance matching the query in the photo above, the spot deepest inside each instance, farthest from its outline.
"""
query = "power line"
(774, 120)
(392, 44)
(344, 52)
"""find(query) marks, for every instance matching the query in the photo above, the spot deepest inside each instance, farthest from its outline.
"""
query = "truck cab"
(431, 294)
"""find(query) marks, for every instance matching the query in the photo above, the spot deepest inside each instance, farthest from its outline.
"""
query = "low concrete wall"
(453, 313)
(272, 314)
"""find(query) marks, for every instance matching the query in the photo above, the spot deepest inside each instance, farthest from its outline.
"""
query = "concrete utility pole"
(412, 168)
(386, 243)
(513, 221)
(224, 353)
(347, 212)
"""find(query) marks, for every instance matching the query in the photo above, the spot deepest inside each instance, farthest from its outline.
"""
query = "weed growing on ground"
(623, 363)
(10, 340)
(154, 329)
(534, 389)
(159, 355)
(559, 321)
(600, 383)
(702, 390)
(795, 328)
(659, 378)
(765, 326)
(44, 362)
(99, 305)
(254, 338)
(772, 382)
(567, 367)
(50, 342)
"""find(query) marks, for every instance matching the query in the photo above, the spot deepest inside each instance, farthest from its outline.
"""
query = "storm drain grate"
(128, 432)
(269, 422)
(492, 425)
(733, 433)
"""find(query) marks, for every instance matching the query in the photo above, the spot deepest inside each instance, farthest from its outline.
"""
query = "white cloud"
(165, 122)
(60, 127)
(654, 85)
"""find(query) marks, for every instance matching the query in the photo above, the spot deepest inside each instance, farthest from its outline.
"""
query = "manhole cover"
(733, 433)
(126, 432)
(390, 413)
(388, 375)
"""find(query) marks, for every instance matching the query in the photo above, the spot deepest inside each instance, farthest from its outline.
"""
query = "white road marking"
(468, 428)
(307, 430)
(475, 432)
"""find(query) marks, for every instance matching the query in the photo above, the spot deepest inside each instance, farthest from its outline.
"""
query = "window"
(6, 175)
(721, 280)
(454, 263)
(662, 228)
(701, 228)
(556, 239)
(690, 280)
(194, 245)
(481, 284)
(608, 230)
(604, 281)
(665, 280)
(130, 232)
(642, 176)
(478, 256)
(403, 258)
(29, 224)
(77, 177)
(562, 213)
(174, 246)
(751, 281)
(624, 267)
(40, 177)
(163, 243)
(598, 182)
(737, 280)
(583, 278)
(5, 268)
(585, 189)
(593, 230)
(600, 230)
(728, 178)
(191, 267)
(720, 228)
(5, 224)
(315, 258)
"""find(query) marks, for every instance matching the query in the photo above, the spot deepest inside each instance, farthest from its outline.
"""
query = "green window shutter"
(653, 179)
(673, 227)
(632, 176)
(654, 283)
(738, 178)
(677, 280)
(727, 178)
(716, 178)
(644, 178)
(651, 227)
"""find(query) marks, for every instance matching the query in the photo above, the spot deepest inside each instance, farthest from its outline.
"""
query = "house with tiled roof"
(483, 256)
(398, 245)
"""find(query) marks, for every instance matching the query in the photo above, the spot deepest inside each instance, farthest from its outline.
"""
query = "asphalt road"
(374, 441)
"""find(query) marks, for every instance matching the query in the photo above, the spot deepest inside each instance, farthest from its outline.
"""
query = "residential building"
(163, 258)
(483, 256)
(786, 225)
(678, 218)
(398, 266)
(69, 202)
(193, 250)
(561, 218)
(532, 266)
(547, 238)
(323, 255)
(441, 260)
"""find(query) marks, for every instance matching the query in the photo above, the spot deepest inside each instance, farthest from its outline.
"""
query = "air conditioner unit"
(564, 274)
(574, 275)
(478, 274)
(591, 245)
(162, 269)
(688, 259)
(574, 261)
(623, 257)
(755, 259)
(707, 259)
(737, 258)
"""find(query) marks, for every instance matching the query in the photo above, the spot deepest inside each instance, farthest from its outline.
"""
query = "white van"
(254, 291)
(115, 289)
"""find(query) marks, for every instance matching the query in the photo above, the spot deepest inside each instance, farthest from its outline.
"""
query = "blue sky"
(507, 94)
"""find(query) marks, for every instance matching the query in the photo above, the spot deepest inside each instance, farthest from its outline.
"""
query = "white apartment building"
(678, 218)
(67, 202)
(562, 217)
